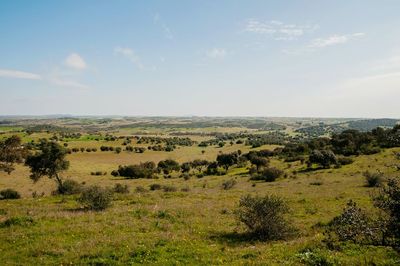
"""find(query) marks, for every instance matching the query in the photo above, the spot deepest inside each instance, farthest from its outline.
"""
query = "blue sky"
(212, 58)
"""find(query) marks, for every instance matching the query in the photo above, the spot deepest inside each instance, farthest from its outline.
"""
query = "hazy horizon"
(316, 59)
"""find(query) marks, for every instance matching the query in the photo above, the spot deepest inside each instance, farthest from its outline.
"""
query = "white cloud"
(334, 40)
(277, 29)
(166, 30)
(216, 53)
(62, 77)
(18, 74)
(132, 56)
(68, 83)
(75, 61)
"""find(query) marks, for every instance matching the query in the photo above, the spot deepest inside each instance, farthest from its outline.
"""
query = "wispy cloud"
(216, 53)
(334, 40)
(75, 61)
(7, 73)
(132, 56)
(166, 30)
(278, 30)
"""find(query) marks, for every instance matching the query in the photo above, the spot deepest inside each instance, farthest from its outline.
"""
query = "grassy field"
(195, 225)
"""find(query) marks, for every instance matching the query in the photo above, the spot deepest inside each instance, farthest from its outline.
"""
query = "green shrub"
(268, 174)
(265, 217)
(388, 200)
(344, 160)
(140, 189)
(352, 225)
(228, 184)
(19, 221)
(120, 188)
(155, 187)
(373, 179)
(9, 194)
(96, 198)
(69, 187)
(169, 188)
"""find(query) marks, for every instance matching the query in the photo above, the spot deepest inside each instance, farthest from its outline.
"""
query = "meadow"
(193, 225)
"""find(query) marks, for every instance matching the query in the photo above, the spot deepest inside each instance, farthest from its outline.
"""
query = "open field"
(193, 225)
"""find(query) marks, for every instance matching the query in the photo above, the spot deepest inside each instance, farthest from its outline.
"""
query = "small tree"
(388, 200)
(352, 225)
(96, 198)
(11, 151)
(259, 162)
(265, 217)
(168, 166)
(48, 161)
(373, 179)
(227, 160)
(325, 158)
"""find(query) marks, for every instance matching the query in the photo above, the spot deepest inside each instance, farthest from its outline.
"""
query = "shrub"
(265, 217)
(9, 194)
(20, 221)
(120, 188)
(169, 188)
(69, 187)
(118, 150)
(352, 225)
(114, 173)
(96, 198)
(345, 160)
(98, 173)
(268, 175)
(155, 187)
(140, 189)
(373, 179)
(388, 200)
(228, 184)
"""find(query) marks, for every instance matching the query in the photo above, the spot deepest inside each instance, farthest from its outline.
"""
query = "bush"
(120, 188)
(140, 189)
(155, 187)
(114, 173)
(373, 179)
(352, 225)
(69, 187)
(388, 200)
(345, 160)
(96, 198)
(20, 221)
(9, 194)
(169, 188)
(98, 173)
(265, 217)
(228, 184)
(268, 174)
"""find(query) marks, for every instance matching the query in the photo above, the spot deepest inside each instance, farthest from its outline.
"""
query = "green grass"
(197, 227)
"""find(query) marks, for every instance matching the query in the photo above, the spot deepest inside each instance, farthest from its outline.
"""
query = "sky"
(206, 58)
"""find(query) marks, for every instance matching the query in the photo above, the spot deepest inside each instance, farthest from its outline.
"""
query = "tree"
(388, 200)
(168, 166)
(259, 162)
(185, 167)
(227, 160)
(325, 158)
(265, 217)
(48, 161)
(11, 151)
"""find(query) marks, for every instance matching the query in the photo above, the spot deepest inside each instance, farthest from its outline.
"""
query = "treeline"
(253, 140)
(327, 151)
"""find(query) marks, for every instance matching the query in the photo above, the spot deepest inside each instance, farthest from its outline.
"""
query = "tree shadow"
(308, 170)
(233, 238)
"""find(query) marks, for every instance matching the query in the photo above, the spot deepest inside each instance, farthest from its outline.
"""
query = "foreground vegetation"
(235, 203)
